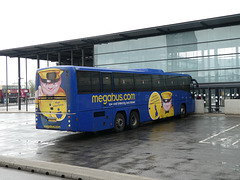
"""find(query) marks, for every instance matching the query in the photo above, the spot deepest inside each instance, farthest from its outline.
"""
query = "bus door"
(103, 118)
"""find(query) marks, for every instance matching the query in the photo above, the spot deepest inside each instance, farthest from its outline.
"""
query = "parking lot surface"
(196, 147)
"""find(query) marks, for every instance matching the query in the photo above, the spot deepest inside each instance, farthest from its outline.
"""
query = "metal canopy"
(73, 48)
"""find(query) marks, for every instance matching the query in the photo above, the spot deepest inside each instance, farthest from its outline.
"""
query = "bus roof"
(139, 71)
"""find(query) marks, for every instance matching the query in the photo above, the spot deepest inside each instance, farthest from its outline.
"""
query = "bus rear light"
(69, 125)
(69, 121)
(69, 117)
(77, 119)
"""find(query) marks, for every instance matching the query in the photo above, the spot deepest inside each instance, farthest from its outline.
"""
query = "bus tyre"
(134, 120)
(183, 111)
(119, 123)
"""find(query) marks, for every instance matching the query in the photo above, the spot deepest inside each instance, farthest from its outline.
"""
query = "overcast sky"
(31, 22)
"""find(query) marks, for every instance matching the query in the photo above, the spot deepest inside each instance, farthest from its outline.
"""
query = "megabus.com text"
(112, 98)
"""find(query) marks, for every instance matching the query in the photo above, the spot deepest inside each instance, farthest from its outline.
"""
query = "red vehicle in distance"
(13, 95)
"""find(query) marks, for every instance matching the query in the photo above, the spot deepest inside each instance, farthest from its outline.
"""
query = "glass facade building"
(211, 56)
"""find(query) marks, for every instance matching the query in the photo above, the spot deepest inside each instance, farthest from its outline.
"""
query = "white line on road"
(203, 141)
(236, 142)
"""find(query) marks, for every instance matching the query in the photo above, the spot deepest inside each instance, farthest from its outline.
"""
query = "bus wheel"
(134, 120)
(119, 123)
(183, 111)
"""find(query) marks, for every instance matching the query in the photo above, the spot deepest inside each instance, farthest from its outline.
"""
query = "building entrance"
(214, 98)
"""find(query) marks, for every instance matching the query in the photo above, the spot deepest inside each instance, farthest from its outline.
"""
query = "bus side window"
(123, 82)
(158, 83)
(184, 83)
(107, 82)
(142, 82)
(95, 82)
(88, 81)
(171, 82)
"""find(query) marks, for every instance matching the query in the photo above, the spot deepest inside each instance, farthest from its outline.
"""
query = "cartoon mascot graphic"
(167, 107)
(154, 106)
(52, 101)
(160, 106)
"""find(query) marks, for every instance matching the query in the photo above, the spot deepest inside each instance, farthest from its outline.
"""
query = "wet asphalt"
(196, 147)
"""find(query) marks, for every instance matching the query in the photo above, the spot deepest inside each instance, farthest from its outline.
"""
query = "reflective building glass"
(210, 55)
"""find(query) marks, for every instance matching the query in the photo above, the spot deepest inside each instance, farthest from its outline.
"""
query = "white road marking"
(236, 142)
(204, 141)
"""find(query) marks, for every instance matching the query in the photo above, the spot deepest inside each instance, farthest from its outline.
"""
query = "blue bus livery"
(86, 99)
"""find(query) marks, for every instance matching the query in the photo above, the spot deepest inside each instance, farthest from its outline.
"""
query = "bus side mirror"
(196, 83)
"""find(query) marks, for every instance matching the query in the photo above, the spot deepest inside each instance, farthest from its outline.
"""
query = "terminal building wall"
(210, 55)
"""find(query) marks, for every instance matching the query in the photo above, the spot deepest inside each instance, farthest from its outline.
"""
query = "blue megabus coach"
(86, 99)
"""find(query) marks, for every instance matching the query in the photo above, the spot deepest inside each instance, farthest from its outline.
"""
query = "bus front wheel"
(183, 111)
(119, 123)
(134, 120)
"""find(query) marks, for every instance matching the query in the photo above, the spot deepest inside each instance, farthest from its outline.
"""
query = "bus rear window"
(88, 81)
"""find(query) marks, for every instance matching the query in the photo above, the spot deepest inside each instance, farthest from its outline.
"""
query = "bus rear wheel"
(119, 123)
(134, 120)
(183, 111)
